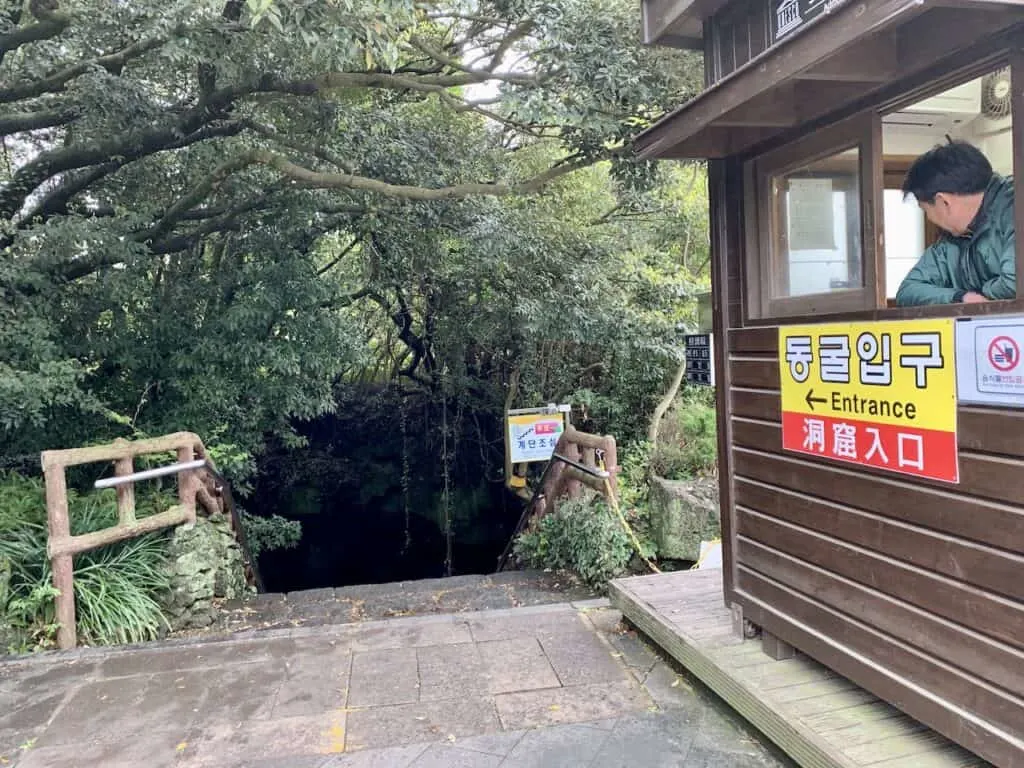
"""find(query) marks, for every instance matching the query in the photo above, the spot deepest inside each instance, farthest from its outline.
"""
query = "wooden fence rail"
(62, 546)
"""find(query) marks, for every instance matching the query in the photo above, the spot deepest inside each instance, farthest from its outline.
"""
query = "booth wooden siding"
(924, 581)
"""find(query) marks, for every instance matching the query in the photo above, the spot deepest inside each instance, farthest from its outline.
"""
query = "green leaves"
(688, 438)
(581, 536)
(263, 534)
(153, 279)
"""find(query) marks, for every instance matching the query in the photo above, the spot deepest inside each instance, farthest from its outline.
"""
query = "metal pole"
(602, 473)
(149, 474)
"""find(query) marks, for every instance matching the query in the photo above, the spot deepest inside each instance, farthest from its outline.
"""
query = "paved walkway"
(553, 686)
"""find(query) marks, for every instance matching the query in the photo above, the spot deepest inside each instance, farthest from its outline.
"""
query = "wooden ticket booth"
(871, 455)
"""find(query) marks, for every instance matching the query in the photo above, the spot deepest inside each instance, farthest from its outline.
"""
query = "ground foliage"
(117, 587)
(582, 536)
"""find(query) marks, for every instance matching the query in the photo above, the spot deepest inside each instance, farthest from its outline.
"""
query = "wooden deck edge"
(795, 740)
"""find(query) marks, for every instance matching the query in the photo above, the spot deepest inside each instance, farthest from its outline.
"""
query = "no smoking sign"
(1003, 353)
(988, 359)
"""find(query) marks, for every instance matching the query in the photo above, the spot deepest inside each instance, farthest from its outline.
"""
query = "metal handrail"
(223, 488)
(149, 474)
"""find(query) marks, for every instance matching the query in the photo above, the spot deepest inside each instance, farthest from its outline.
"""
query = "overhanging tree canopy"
(196, 194)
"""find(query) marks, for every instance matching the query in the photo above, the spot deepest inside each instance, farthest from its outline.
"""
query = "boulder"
(684, 513)
(205, 564)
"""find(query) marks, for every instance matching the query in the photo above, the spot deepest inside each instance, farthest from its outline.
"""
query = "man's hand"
(973, 298)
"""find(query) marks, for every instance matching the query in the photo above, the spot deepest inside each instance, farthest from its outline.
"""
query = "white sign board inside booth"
(988, 361)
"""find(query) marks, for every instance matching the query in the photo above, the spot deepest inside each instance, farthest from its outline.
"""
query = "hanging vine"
(403, 410)
(446, 504)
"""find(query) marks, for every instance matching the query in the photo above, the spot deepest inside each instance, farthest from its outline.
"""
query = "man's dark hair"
(956, 168)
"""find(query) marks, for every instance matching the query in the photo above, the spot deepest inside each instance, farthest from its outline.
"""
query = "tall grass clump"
(117, 587)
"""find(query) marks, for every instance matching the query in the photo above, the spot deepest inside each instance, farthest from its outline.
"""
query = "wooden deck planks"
(820, 719)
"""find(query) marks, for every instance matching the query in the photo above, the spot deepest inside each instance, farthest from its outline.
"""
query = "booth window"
(977, 111)
(816, 227)
(811, 232)
(830, 230)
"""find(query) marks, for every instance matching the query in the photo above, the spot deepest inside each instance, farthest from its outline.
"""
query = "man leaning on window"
(975, 260)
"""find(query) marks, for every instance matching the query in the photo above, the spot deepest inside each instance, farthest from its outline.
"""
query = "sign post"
(881, 395)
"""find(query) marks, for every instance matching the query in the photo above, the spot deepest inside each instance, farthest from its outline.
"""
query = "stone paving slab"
(552, 686)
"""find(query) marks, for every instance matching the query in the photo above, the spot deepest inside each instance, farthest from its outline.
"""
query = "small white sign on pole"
(534, 432)
(988, 361)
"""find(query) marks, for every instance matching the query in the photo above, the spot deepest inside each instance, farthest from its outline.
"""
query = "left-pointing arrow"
(811, 399)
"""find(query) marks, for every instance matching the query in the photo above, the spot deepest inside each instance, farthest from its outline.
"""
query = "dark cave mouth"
(376, 487)
(346, 545)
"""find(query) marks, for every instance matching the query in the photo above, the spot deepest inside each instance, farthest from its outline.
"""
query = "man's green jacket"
(984, 260)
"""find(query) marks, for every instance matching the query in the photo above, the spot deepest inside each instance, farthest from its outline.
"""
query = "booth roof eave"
(677, 23)
(838, 58)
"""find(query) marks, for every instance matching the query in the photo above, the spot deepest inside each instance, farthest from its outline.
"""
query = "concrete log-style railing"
(62, 546)
(595, 452)
(566, 480)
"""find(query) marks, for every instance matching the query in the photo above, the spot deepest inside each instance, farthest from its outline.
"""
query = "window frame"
(864, 130)
(861, 132)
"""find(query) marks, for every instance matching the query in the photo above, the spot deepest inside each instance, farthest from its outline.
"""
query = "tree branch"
(272, 133)
(521, 30)
(34, 121)
(665, 403)
(74, 270)
(537, 131)
(334, 262)
(347, 300)
(112, 62)
(50, 24)
(492, 21)
(199, 193)
(456, 191)
(483, 75)
(56, 201)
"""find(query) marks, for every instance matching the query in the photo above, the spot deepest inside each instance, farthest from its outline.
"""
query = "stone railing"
(62, 546)
(596, 452)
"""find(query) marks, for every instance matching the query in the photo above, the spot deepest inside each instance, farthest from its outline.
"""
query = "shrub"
(687, 440)
(263, 534)
(583, 536)
(117, 587)
(634, 489)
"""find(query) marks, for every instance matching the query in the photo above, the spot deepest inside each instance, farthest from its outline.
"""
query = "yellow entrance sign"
(899, 373)
(880, 394)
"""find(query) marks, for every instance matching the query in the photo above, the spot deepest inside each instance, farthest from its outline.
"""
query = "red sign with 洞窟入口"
(882, 446)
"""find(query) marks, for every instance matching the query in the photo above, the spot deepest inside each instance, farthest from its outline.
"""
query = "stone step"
(342, 605)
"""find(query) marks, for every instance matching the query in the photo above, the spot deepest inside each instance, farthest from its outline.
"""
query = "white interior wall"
(904, 238)
(814, 270)
(995, 139)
